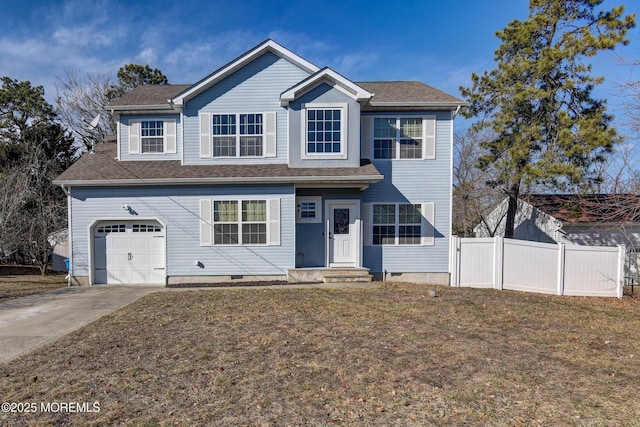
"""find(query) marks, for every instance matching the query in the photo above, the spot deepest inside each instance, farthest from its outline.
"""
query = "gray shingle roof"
(404, 95)
(407, 94)
(101, 168)
(148, 95)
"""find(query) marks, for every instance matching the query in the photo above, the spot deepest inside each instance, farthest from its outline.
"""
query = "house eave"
(132, 109)
(342, 181)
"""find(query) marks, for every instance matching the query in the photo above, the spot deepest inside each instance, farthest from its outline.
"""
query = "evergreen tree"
(550, 130)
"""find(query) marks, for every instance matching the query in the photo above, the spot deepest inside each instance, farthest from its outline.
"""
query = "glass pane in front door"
(341, 221)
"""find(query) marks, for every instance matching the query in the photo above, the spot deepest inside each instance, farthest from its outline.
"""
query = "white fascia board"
(448, 105)
(327, 74)
(320, 180)
(144, 108)
(231, 67)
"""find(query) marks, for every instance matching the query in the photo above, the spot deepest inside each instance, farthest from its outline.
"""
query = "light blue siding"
(416, 181)
(255, 88)
(123, 142)
(324, 94)
(178, 209)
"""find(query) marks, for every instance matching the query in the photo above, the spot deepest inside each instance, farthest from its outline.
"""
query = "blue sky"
(438, 42)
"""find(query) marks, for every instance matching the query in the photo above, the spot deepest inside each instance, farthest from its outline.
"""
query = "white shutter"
(134, 136)
(270, 140)
(428, 225)
(367, 226)
(206, 227)
(429, 146)
(273, 209)
(170, 135)
(205, 135)
(366, 137)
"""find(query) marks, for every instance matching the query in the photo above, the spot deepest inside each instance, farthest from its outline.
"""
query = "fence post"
(455, 261)
(561, 255)
(498, 262)
(622, 255)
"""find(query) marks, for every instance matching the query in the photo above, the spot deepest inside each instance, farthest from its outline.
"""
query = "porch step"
(328, 275)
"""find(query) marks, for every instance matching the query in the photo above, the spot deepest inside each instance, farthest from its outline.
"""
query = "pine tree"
(538, 101)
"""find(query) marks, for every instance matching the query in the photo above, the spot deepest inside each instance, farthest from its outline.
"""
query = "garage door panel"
(129, 252)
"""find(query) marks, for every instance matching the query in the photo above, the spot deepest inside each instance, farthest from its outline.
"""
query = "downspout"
(70, 241)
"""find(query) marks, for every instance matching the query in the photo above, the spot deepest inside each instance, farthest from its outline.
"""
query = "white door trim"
(355, 230)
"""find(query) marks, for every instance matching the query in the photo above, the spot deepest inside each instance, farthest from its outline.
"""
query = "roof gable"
(228, 69)
(325, 75)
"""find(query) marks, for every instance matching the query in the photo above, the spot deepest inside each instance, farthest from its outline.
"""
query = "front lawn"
(17, 286)
(387, 356)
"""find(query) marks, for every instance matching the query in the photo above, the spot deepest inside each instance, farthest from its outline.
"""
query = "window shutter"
(273, 206)
(428, 226)
(206, 227)
(366, 137)
(429, 146)
(134, 136)
(367, 226)
(170, 135)
(270, 140)
(205, 135)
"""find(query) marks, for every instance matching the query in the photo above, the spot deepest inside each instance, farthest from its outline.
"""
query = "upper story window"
(403, 137)
(237, 135)
(152, 136)
(324, 128)
(155, 136)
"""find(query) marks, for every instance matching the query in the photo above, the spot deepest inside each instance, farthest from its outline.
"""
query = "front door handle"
(130, 256)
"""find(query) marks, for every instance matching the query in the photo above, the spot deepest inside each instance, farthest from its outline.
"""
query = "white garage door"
(129, 252)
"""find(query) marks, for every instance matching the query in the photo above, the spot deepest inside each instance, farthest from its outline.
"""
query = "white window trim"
(427, 211)
(398, 118)
(169, 129)
(207, 223)
(309, 199)
(237, 135)
(344, 120)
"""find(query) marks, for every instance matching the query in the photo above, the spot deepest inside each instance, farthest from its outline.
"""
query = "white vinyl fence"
(520, 265)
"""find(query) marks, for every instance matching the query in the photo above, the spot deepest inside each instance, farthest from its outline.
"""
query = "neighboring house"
(592, 220)
(59, 242)
(268, 168)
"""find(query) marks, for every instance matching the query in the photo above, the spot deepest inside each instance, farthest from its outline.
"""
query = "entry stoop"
(328, 275)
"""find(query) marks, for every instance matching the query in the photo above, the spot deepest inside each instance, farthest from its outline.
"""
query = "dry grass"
(17, 286)
(388, 356)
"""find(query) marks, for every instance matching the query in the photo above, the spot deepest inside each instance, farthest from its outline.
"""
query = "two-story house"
(270, 168)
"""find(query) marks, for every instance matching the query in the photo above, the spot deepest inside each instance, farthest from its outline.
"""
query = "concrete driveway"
(27, 323)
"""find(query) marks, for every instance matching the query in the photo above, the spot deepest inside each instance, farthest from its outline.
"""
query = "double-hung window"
(152, 136)
(238, 135)
(240, 221)
(403, 137)
(397, 224)
(324, 128)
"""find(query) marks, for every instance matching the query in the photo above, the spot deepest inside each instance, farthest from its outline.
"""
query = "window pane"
(224, 124)
(384, 127)
(225, 234)
(224, 146)
(384, 149)
(254, 210)
(254, 234)
(410, 149)
(384, 214)
(250, 124)
(410, 214)
(250, 146)
(384, 234)
(409, 234)
(152, 145)
(411, 128)
(225, 211)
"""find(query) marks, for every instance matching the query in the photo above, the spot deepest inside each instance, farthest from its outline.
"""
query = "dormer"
(324, 120)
